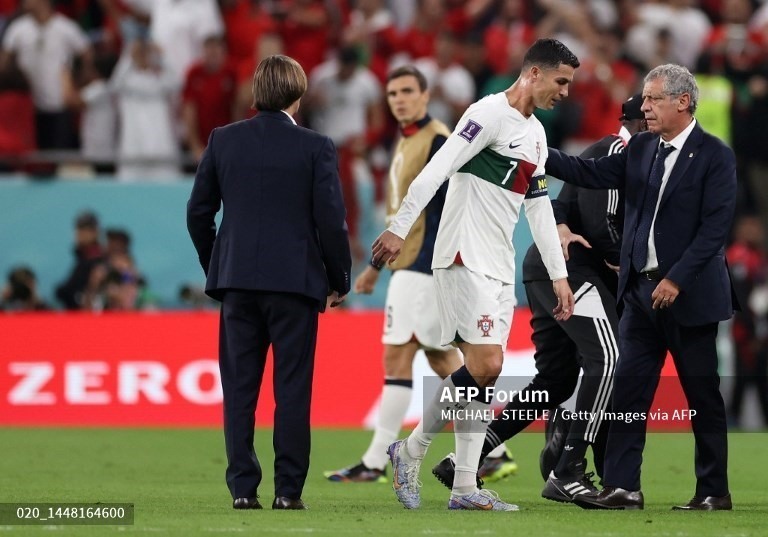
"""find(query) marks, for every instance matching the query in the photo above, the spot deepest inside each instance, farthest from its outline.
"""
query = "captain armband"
(537, 187)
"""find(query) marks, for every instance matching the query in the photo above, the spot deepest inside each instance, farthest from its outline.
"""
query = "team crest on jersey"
(485, 323)
(470, 130)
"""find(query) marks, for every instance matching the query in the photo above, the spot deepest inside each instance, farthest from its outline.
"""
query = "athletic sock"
(470, 434)
(395, 398)
(469, 430)
(433, 420)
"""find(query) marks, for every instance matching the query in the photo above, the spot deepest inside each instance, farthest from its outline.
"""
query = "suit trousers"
(250, 322)
(645, 336)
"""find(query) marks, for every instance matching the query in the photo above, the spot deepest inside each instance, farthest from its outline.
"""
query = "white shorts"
(473, 307)
(411, 311)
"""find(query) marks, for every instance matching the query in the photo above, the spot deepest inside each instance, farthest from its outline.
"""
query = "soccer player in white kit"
(412, 317)
(495, 159)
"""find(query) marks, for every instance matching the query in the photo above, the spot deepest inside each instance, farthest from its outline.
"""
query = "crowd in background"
(137, 85)
(103, 276)
(134, 88)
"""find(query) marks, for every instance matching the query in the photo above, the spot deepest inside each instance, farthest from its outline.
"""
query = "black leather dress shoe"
(611, 498)
(708, 503)
(281, 502)
(246, 503)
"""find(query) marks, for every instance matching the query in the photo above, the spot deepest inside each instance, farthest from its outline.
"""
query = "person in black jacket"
(280, 256)
(590, 223)
(89, 253)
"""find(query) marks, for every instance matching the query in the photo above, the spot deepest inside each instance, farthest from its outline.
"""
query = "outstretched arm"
(605, 172)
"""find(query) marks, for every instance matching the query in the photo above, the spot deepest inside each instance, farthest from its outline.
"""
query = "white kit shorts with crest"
(476, 307)
(411, 311)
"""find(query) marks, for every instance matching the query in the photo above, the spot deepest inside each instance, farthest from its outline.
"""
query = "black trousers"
(56, 130)
(645, 336)
(250, 322)
(586, 341)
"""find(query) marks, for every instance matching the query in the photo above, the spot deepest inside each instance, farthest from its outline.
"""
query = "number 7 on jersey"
(513, 164)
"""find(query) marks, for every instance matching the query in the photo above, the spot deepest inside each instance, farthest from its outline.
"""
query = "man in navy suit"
(281, 255)
(674, 287)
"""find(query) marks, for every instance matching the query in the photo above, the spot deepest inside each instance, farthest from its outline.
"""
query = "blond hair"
(278, 82)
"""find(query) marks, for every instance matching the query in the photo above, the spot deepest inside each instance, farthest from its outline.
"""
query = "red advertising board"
(161, 369)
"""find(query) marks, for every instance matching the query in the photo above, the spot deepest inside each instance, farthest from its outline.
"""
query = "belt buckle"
(651, 275)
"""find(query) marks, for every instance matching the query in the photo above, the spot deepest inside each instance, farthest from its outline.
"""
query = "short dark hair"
(549, 54)
(120, 235)
(278, 82)
(87, 219)
(409, 70)
(20, 275)
(21, 281)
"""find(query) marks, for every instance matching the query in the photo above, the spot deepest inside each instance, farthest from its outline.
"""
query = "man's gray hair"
(677, 80)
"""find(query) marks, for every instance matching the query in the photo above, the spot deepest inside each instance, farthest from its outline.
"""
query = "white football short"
(473, 307)
(411, 311)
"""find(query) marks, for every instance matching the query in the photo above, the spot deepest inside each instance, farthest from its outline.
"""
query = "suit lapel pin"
(690, 155)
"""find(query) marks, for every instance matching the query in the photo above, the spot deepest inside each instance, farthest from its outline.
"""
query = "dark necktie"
(640, 244)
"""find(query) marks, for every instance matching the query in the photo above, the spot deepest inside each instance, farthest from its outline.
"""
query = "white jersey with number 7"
(495, 160)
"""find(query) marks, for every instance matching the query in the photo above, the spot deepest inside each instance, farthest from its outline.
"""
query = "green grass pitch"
(175, 478)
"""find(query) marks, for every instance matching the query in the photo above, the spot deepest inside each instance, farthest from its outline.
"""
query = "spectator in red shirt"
(268, 45)
(17, 116)
(605, 80)
(7, 8)
(304, 27)
(209, 94)
(246, 21)
(371, 27)
(418, 40)
(734, 49)
(463, 16)
(509, 35)
(434, 16)
(748, 267)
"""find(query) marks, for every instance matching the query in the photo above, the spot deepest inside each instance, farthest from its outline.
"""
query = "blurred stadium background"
(103, 116)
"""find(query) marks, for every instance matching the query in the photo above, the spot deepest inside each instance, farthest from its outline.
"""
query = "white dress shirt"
(289, 116)
(677, 142)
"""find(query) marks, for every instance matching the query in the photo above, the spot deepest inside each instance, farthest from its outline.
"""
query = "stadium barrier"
(161, 369)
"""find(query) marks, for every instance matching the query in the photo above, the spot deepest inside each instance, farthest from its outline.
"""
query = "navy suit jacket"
(692, 223)
(283, 227)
